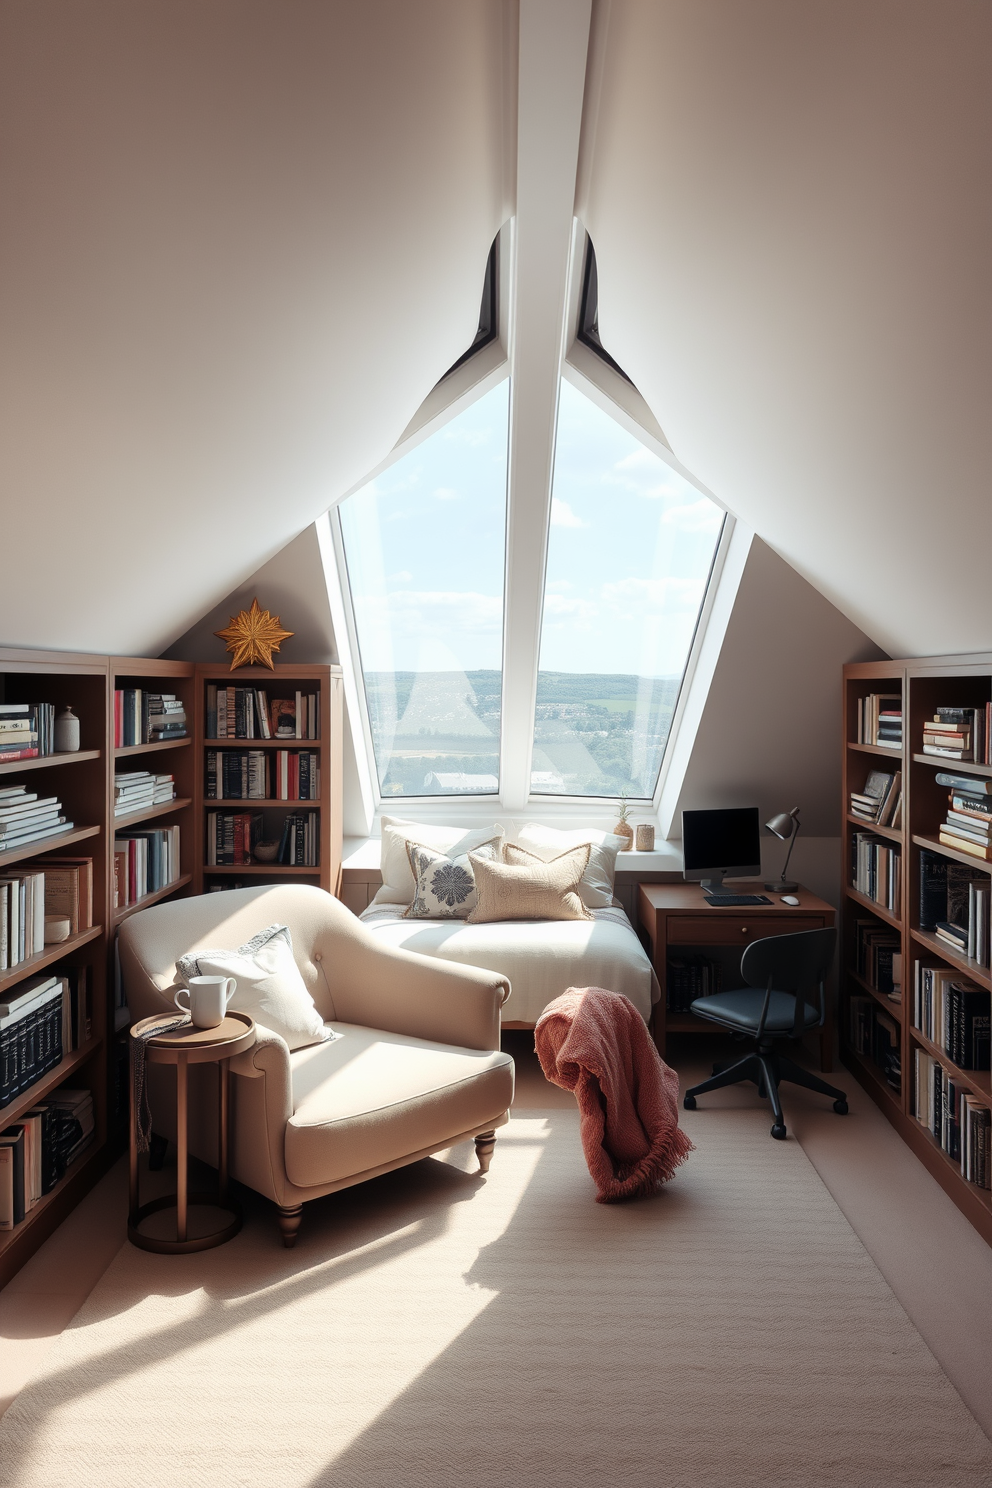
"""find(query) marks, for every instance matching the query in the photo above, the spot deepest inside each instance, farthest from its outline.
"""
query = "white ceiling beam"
(554, 42)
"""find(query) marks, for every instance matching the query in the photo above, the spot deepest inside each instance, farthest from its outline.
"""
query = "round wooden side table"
(183, 1047)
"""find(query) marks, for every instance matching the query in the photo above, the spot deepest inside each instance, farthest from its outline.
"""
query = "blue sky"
(630, 549)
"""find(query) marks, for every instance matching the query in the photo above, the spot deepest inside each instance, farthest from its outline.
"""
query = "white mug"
(208, 998)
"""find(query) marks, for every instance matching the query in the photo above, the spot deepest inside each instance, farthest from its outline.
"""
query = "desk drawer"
(724, 929)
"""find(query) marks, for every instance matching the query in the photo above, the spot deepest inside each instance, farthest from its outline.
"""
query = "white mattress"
(540, 958)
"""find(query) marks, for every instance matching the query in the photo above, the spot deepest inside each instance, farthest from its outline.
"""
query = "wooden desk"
(676, 917)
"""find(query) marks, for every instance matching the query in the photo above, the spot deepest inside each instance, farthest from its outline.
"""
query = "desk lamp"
(786, 827)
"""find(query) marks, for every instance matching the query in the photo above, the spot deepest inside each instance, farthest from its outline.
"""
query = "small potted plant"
(622, 827)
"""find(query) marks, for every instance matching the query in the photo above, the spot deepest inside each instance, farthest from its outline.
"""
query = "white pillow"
(445, 886)
(596, 887)
(270, 988)
(398, 882)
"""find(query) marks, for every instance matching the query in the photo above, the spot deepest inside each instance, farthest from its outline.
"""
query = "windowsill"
(361, 855)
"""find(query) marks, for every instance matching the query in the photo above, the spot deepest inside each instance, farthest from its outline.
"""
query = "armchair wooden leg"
(290, 1216)
(484, 1144)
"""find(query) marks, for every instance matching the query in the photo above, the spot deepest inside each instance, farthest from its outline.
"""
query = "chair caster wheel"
(778, 1132)
(840, 1106)
(689, 1102)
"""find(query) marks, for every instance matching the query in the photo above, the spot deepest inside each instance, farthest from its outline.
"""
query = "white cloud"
(402, 577)
(446, 493)
(697, 516)
(562, 515)
(471, 437)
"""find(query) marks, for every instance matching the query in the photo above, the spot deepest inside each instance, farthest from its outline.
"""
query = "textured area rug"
(433, 1330)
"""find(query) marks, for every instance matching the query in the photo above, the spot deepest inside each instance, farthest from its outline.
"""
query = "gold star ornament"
(253, 636)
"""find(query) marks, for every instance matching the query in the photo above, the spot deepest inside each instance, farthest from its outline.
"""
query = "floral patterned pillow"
(445, 886)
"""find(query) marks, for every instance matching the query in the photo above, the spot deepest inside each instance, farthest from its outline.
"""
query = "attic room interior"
(496, 744)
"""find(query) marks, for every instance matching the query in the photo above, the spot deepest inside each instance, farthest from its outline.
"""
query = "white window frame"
(621, 402)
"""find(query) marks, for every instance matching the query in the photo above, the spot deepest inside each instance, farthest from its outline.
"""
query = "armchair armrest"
(402, 992)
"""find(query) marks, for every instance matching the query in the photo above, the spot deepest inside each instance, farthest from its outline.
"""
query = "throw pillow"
(596, 888)
(270, 988)
(445, 886)
(525, 888)
(398, 882)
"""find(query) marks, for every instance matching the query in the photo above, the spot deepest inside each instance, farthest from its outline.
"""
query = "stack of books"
(142, 717)
(959, 734)
(954, 1117)
(687, 978)
(27, 817)
(879, 958)
(875, 1036)
(36, 1151)
(881, 800)
(880, 720)
(249, 713)
(297, 775)
(137, 789)
(31, 1032)
(968, 824)
(232, 837)
(876, 870)
(954, 1014)
(144, 863)
(22, 917)
(955, 905)
(18, 732)
(299, 843)
(69, 890)
(238, 774)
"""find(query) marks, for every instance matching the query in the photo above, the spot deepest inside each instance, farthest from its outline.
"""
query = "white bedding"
(539, 957)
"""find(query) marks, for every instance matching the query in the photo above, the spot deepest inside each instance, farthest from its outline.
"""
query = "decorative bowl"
(57, 927)
(265, 852)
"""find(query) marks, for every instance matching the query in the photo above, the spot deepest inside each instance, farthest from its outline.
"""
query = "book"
(971, 785)
(965, 845)
(69, 889)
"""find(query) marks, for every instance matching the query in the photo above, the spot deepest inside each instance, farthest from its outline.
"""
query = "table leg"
(223, 1077)
(132, 1145)
(182, 1158)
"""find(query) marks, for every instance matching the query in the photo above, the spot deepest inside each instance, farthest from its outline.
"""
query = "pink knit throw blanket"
(595, 1044)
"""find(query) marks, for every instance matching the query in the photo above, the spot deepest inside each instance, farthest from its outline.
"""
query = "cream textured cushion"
(270, 988)
(525, 888)
(398, 882)
(445, 887)
(596, 888)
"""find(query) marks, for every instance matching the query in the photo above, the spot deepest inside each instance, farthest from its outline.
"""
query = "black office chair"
(789, 968)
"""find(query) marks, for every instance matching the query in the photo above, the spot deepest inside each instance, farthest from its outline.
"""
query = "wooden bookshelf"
(924, 684)
(283, 680)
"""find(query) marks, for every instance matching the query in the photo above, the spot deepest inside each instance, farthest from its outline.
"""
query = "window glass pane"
(424, 543)
(630, 552)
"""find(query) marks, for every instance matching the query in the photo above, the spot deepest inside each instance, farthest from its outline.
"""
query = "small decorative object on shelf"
(265, 852)
(622, 827)
(252, 636)
(645, 837)
(66, 732)
(57, 928)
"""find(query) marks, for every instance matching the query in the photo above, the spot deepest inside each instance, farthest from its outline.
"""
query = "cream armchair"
(418, 1066)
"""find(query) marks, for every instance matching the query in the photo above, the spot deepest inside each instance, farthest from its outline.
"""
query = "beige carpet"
(432, 1329)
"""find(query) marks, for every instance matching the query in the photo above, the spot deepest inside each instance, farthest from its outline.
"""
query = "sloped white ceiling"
(240, 242)
(791, 210)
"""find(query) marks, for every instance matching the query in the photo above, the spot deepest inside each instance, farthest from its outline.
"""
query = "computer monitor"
(715, 843)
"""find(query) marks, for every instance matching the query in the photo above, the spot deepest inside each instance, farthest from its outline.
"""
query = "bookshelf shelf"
(47, 844)
(11, 1240)
(938, 947)
(894, 1009)
(882, 750)
(876, 909)
(924, 685)
(148, 813)
(934, 844)
(127, 750)
(48, 957)
(147, 900)
(311, 744)
(953, 767)
(251, 804)
(55, 1076)
(876, 831)
(281, 870)
(46, 761)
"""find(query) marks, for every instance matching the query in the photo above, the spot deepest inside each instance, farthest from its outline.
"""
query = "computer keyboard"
(730, 901)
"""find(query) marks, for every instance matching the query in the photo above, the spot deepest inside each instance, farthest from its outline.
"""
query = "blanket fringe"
(648, 1175)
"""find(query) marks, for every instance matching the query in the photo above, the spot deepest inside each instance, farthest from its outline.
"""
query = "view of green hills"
(437, 733)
